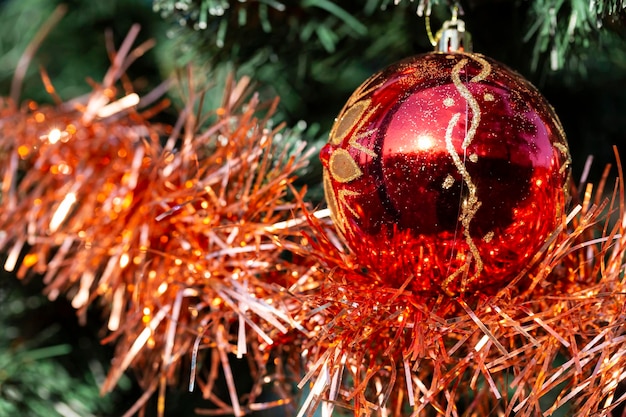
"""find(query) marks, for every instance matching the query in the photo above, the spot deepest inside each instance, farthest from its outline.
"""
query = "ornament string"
(429, 31)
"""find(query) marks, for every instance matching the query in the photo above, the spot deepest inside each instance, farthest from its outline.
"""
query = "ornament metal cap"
(452, 37)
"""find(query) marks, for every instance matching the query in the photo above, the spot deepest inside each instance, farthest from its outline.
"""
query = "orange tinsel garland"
(554, 343)
(176, 230)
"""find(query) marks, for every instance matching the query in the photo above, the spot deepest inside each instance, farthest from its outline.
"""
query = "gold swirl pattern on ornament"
(348, 120)
(353, 141)
(485, 68)
(470, 205)
(465, 93)
(565, 152)
(448, 182)
(337, 216)
(563, 149)
(342, 167)
(342, 199)
(363, 91)
(337, 205)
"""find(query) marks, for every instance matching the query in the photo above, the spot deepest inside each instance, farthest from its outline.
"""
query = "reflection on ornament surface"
(446, 169)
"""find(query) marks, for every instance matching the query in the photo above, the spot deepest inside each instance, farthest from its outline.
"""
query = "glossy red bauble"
(446, 169)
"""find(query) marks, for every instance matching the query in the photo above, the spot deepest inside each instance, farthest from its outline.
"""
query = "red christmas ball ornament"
(448, 169)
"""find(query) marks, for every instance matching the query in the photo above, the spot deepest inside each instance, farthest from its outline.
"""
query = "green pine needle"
(340, 13)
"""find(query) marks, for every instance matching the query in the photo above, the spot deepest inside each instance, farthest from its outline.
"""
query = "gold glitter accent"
(342, 167)
(470, 205)
(487, 238)
(367, 87)
(484, 72)
(352, 119)
(450, 56)
(353, 142)
(447, 183)
(335, 213)
(565, 152)
(337, 204)
(465, 93)
(347, 121)
(489, 97)
(448, 102)
(342, 194)
(341, 213)
(473, 157)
